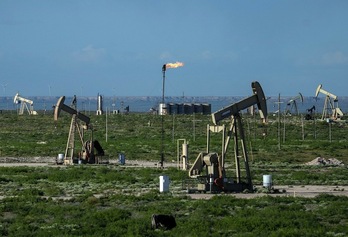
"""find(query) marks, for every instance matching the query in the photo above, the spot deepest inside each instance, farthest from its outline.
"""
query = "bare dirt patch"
(323, 161)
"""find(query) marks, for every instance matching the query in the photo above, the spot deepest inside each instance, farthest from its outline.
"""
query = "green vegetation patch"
(117, 201)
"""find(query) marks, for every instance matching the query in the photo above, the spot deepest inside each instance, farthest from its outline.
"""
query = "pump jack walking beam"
(61, 106)
(234, 109)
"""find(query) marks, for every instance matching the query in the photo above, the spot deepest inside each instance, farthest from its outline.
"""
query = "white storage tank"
(267, 181)
(162, 110)
(164, 183)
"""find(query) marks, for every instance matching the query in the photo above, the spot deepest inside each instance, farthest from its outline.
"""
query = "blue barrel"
(121, 158)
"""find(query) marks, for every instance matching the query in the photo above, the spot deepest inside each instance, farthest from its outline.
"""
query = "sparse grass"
(117, 201)
(111, 200)
(33, 136)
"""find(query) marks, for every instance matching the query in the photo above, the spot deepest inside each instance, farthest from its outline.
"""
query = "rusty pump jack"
(214, 178)
(87, 153)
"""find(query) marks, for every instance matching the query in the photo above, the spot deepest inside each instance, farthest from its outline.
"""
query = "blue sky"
(118, 47)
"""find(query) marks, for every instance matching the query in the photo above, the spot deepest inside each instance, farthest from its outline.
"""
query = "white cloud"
(89, 54)
(334, 58)
(228, 55)
(207, 54)
(165, 55)
(231, 56)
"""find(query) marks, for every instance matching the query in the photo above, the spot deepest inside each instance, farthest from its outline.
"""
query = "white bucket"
(60, 158)
(164, 183)
(267, 181)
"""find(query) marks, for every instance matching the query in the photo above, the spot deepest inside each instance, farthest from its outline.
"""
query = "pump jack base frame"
(230, 188)
(204, 186)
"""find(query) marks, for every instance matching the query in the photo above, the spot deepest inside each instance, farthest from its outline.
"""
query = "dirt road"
(291, 190)
(308, 191)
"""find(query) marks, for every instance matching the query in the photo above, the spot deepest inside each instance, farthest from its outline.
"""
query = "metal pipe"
(164, 67)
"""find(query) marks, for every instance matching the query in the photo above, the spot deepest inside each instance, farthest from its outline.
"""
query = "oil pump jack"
(87, 153)
(293, 105)
(24, 102)
(331, 103)
(209, 167)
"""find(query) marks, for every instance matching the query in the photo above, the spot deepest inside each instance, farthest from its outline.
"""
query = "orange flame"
(174, 65)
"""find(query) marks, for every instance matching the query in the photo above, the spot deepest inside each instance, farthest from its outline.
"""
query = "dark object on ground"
(166, 222)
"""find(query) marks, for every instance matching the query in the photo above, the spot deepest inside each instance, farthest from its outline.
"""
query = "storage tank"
(198, 108)
(206, 109)
(162, 110)
(181, 109)
(173, 108)
(188, 108)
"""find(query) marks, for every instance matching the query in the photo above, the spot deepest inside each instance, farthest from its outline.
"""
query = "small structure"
(99, 105)
(182, 157)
